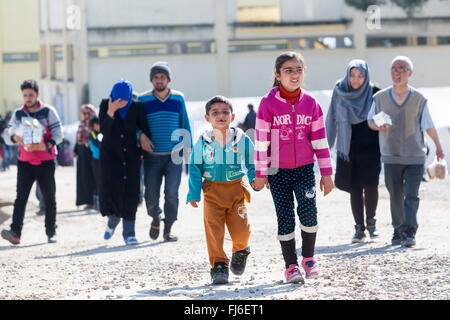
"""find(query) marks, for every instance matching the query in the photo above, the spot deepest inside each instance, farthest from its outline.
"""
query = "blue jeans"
(127, 226)
(403, 182)
(155, 168)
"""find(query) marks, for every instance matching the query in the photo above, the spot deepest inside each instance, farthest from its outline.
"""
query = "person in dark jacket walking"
(358, 152)
(85, 176)
(120, 158)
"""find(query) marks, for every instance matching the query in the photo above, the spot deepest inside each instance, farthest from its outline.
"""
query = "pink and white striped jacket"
(289, 136)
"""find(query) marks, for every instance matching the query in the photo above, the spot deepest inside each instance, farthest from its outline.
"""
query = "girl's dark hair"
(282, 58)
(29, 84)
(218, 99)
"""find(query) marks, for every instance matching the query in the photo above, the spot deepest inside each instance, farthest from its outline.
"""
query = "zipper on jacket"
(295, 134)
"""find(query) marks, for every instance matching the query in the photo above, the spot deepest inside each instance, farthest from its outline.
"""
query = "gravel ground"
(84, 266)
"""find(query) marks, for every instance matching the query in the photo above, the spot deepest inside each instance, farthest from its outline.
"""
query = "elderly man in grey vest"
(402, 147)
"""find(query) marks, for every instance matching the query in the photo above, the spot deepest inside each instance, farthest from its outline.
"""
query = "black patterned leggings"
(284, 185)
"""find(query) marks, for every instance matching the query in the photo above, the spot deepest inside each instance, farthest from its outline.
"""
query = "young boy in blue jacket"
(221, 157)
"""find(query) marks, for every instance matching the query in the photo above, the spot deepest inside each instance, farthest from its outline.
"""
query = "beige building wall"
(19, 34)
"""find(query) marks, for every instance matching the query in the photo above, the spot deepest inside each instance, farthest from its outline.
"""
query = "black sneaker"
(10, 236)
(41, 212)
(359, 234)
(170, 238)
(238, 261)
(154, 228)
(219, 274)
(410, 239)
(372, 228)
(397, 238)
(52, 239)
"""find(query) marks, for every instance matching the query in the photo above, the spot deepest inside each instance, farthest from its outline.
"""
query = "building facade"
(19, 50)
(227, 47)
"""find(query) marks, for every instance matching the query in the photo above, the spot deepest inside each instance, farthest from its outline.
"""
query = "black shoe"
(219, 274)
(52, 239)
(154, 228)
(10, 236)
(41, 212)
(239, 261)
(372, 228)
(398, 237)
(170, 238)
(359, 233)
(410, 239)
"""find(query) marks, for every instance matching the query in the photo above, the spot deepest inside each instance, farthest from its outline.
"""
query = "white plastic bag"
(438, 169)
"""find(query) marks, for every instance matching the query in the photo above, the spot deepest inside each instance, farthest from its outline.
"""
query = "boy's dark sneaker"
(397, 238)
(239, 261)
(219, 274)
(359, 234)
(10, 236)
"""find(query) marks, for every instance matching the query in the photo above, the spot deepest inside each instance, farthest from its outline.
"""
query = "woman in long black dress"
(358, 163)
(85, 176)
(120, 158)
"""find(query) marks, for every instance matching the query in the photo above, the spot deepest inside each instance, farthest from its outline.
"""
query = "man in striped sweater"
(166, 114)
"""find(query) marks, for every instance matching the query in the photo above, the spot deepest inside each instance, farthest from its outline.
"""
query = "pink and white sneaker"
(310, 267)
(293, 274)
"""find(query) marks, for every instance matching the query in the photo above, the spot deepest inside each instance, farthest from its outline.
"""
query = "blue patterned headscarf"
(122, 89)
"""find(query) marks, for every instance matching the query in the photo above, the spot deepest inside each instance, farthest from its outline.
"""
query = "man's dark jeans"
(27, 174)
(155, 168)
(403, 182)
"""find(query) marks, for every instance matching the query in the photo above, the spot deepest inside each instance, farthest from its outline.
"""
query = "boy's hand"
(326, 185)
(193, 203)
(259, 183)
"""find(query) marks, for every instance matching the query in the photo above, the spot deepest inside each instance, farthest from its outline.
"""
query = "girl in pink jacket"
(290, 136)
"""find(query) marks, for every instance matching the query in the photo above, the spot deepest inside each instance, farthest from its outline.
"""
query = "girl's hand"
(193, 203)
(259, 183)
(326, 185)
(383, 128)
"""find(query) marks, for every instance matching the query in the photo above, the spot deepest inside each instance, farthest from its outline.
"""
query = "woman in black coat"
(358, 163)
(120, 158)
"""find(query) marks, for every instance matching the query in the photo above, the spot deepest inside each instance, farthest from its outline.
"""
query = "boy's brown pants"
(225, 205)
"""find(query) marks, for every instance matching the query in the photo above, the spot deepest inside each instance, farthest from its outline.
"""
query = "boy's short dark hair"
(93, 121)
(218, 99)
(29, 84)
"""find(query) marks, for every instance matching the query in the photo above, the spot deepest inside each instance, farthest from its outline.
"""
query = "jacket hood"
(237, 135)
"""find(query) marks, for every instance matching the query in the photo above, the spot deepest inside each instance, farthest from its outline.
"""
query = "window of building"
(20, 57)
(127, 52)
(258, 11)
(443, 40)
(196, 47)
(252, 45)
(93, 53)
(386, 42)
(422, 41)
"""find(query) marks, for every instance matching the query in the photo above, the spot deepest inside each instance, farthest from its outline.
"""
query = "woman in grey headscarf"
(358, 152)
